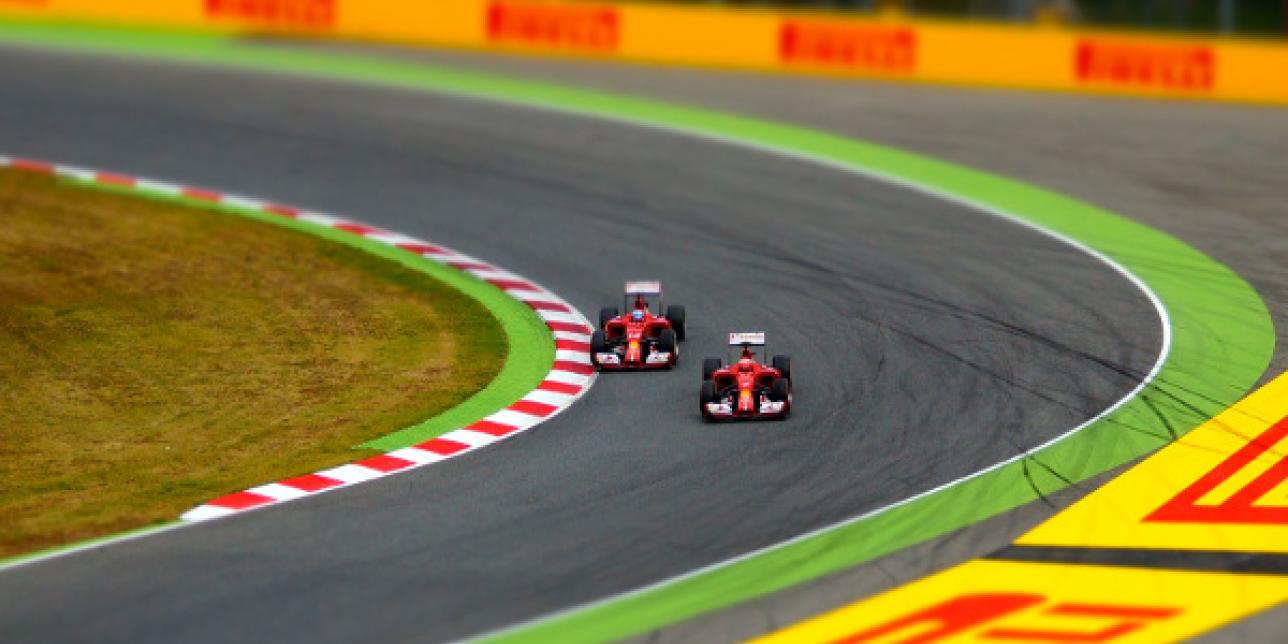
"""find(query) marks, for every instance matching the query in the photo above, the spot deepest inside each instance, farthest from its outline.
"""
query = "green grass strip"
(1222, 334)
(528, 344)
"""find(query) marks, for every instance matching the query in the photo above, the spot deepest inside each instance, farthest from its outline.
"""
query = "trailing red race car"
(639, 339)
(746, 389)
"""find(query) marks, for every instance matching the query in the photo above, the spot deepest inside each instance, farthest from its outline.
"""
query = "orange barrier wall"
(976, 54)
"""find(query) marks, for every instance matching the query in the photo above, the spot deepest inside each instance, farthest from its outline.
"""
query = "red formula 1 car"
(639, 339)
(746, 389)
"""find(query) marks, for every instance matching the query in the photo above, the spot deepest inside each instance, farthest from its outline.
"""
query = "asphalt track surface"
(1211, 174)
(929, 342)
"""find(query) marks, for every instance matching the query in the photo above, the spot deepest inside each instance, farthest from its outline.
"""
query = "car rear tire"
(784, 366)
(598, 345)
(707, 395)
(675, 315)
(606, 315)
(710, 366)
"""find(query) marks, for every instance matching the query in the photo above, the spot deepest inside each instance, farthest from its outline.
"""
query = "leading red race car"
(638, 339)
(746, 389)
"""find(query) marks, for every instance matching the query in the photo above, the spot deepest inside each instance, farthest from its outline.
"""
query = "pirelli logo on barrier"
(581, 28)
(1161, 66)
(308, 14)
(847, 46)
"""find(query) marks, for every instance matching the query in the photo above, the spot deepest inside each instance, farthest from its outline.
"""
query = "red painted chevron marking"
(241, 501)
(516, 285)
(491, 427)
(422, 249)
(31, 166)
(115, 179)
(201, 195)
(442, 446)
(568, 327)
(311, 482)
(548, 306)
(1246, 505)
(284, 211)
(533, 408)
(357, 229)
(574, 367)
(560, 387)
(385, 463)
(471, 266)
(572, 345)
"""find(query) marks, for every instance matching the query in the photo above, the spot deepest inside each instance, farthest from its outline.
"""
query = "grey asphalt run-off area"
(928, 341)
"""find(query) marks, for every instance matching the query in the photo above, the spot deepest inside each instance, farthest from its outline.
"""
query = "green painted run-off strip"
(1222, 337)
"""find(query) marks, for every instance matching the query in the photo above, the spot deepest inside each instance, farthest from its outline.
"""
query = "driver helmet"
(637, 316)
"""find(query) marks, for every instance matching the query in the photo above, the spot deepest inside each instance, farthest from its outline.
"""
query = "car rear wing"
(644, 288)
(747, 339)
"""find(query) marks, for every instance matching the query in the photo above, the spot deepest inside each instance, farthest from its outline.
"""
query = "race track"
(929, 341)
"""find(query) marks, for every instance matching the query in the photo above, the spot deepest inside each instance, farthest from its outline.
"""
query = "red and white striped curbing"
(570, 376)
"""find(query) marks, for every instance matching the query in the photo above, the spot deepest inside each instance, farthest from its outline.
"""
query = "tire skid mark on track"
(569, 378)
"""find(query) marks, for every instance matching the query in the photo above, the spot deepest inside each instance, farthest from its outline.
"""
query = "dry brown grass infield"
(153, 356)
